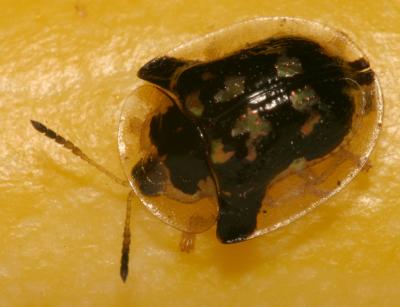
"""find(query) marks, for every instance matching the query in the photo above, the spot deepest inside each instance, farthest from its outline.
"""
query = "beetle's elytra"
(248, 128)
(237, 126)
(244, 119)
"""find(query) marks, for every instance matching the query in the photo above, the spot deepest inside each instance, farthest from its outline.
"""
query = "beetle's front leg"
(187, 242)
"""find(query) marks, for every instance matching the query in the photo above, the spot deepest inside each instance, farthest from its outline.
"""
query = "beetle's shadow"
(235, 260)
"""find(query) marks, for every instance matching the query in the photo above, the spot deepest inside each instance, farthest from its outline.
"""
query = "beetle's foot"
(187, 242)
(367, 166)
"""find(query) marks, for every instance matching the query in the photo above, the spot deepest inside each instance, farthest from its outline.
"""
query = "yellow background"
(70, 64)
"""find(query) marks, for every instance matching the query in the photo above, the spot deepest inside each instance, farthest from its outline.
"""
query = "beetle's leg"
(310, 181)
(124, 268)
(343, 155)
(187, 242)
(314, 179)
(356, 159)
(75, 150)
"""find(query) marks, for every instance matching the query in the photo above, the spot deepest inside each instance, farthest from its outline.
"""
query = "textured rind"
(70, 64)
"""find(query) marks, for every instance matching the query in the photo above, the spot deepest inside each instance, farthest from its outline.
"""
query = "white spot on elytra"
(302, 99)
(288, 66)
(233, 87)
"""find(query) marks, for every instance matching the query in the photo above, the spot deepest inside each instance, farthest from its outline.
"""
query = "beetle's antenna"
(124, 269)
(75, 150)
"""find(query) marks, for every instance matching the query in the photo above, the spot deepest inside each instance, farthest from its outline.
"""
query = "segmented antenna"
(124, 269)
(75, 150)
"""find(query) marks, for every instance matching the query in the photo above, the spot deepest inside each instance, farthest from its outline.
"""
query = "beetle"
(248, 132)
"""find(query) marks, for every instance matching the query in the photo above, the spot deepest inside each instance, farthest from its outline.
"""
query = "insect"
(247, 128)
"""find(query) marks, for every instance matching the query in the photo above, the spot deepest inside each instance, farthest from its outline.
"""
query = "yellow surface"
(70, 64)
